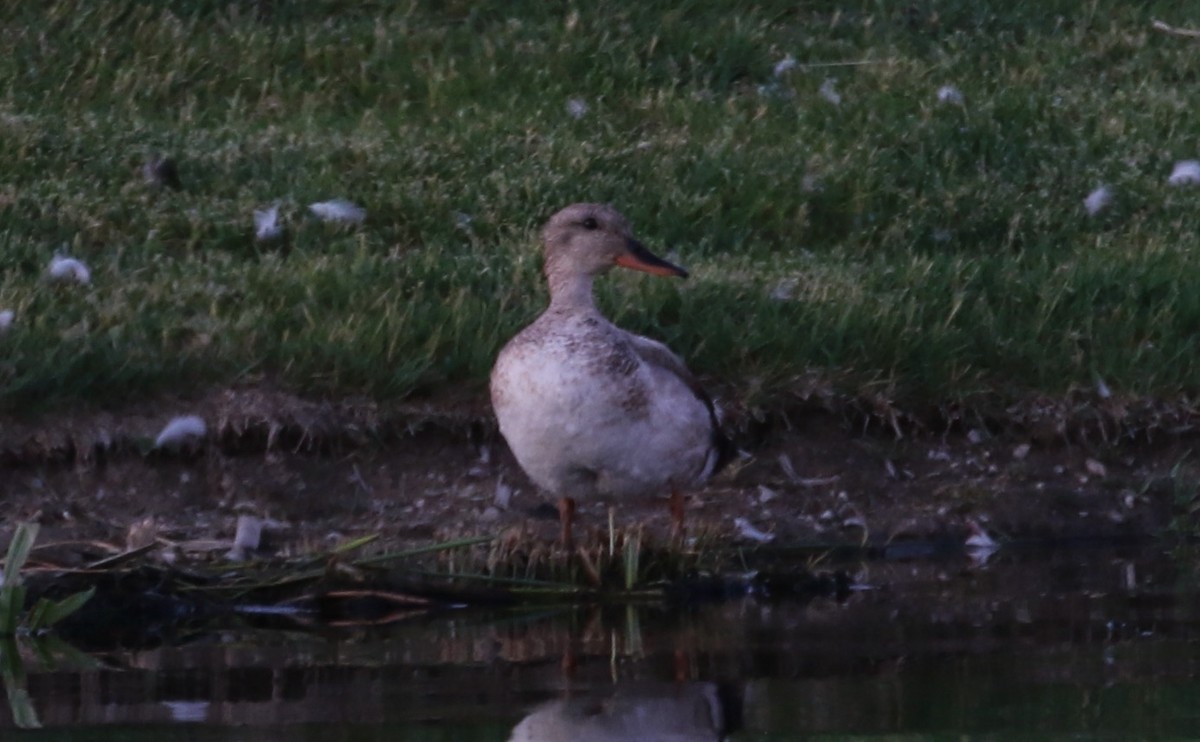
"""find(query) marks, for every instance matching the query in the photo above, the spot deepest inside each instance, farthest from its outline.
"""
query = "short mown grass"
(895, 246)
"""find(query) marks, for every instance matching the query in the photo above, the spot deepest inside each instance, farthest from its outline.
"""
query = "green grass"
(936, 253)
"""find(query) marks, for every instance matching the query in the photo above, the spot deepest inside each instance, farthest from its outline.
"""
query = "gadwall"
(588, 409)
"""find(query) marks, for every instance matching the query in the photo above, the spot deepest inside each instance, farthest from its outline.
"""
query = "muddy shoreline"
(316, 473)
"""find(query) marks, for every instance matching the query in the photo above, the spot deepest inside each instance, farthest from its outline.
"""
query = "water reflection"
(1095, 642)
(671, 712)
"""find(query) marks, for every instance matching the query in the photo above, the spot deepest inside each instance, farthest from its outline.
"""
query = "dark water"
(1080, 643)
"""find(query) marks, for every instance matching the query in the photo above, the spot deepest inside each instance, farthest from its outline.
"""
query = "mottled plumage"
(587, 408)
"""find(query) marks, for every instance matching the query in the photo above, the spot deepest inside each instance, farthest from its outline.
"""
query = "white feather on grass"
(339, 210)
(181, 431)
(6, 320)
(68, 269)
(266, 224)
(1186, 172)
(829, 92)
(1098, 200)
(950, 94)
(785, 290)
(577, 108)
(774, 89)
(784, 66)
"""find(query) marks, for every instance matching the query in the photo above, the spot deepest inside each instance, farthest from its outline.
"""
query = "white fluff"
(248, 536)
(577, 108)
(979, 540)
(830, 93)
(784, 66)
(950, 94)
(785, 289)
(180, 431)
(774, 89)
(339, 210)
(503, 494)
(749, 532)
(1186, 172)
(1098, 200)
(6, 319)
(68, 269)
(266, 224)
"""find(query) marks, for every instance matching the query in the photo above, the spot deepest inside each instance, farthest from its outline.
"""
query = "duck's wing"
(658, 354)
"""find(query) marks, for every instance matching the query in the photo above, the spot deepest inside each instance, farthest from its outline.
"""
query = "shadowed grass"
(898, 247)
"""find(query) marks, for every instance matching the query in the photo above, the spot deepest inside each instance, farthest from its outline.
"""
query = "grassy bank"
(888, 245)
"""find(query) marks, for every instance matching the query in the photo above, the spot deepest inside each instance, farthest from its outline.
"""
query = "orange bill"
(639, 258)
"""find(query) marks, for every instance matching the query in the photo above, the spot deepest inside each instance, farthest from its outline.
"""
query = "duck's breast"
(580, 407)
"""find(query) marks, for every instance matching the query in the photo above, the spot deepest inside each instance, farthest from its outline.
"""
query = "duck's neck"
(571, 292)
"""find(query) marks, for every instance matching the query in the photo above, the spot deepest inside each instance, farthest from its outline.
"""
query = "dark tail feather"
(726, 449)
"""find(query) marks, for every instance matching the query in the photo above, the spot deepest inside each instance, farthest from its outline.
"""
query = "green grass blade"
(12, 600)
(12, 673)
(47, 613)
(424, 550)
(18, 552)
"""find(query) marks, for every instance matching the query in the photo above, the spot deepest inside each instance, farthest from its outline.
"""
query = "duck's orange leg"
(566, 517)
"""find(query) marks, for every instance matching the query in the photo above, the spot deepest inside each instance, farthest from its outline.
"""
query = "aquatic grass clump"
(347, 585)
(519, 566)
(28, 626)
(904, 243)
(45, 613)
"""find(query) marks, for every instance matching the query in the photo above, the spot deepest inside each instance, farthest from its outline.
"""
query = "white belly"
(581, 433)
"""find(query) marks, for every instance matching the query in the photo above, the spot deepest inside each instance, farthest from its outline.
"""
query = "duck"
(593, 411)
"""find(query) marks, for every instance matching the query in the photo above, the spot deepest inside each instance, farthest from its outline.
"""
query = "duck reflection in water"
(650, 712)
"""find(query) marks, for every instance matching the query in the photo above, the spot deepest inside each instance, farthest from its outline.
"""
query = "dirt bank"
(319, 473)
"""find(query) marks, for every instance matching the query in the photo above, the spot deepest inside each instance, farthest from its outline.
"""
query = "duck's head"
(590, 239)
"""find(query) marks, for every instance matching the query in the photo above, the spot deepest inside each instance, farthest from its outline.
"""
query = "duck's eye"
(590, 223)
